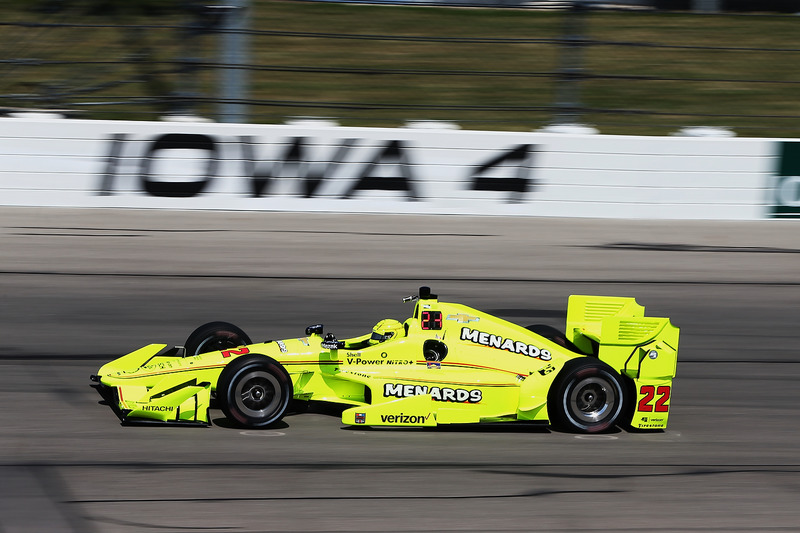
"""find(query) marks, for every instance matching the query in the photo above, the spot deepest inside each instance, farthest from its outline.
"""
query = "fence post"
(571, 71)
(184, 98)
(233, 59)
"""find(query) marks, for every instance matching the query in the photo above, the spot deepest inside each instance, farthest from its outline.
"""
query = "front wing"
(175, 399)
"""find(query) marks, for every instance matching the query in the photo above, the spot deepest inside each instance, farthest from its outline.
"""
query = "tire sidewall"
(233, 336)
(554, 335)
(573, 374)
(239, 369)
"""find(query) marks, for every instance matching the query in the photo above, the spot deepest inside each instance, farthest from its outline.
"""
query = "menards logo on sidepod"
(495, 341)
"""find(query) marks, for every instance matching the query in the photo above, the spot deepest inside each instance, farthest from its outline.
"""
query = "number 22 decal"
(236, 351)
(650, 392)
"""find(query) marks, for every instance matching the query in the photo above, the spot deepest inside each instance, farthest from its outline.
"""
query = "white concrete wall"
(294, 168)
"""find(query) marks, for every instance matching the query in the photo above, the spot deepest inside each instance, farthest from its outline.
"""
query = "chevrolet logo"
(463, 318)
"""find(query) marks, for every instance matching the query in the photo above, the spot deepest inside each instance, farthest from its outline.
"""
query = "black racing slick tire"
(588, 396)
(254, 391)
(213, 337)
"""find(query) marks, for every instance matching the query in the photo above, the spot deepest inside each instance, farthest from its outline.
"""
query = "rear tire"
(213, 337)
(254, 391)
(587, 397)
(554, 334)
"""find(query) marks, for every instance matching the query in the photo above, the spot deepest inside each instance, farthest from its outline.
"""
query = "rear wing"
(616, 329)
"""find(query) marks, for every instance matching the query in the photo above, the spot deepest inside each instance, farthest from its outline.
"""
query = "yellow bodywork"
(486, 369)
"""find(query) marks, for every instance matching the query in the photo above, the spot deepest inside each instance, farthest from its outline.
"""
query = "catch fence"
(623, 72)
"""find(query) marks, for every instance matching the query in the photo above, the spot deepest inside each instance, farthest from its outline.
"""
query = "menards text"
(495, 341)
(440, 394)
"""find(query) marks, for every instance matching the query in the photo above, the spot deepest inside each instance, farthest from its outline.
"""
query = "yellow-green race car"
(447, 364)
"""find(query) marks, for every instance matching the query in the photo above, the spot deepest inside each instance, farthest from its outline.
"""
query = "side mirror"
(425, 294)
(434, 350)
(316, 329)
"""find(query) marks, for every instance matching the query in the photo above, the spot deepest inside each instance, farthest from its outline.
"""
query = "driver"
(386, 329)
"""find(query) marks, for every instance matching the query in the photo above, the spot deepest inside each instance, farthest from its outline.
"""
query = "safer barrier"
(59, 162)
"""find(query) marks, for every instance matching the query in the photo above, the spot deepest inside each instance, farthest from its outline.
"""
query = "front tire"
(254, 391)
(588, 397)
(213, 337)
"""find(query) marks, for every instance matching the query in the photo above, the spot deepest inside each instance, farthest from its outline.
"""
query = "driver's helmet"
(387, 329)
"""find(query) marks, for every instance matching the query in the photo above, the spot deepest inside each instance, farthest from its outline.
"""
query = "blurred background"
(82, 286)
(645, 67)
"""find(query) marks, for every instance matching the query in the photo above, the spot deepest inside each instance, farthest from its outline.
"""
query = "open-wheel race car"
(447, 364)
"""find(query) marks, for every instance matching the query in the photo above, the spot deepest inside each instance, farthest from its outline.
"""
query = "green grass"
(652, 90)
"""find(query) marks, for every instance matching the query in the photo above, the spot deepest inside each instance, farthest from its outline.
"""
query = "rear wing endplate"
(616, 329)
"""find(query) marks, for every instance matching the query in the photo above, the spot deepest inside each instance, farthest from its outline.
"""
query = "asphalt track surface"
(80, 287)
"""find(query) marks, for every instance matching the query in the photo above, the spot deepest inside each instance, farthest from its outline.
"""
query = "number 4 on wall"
(650, 393)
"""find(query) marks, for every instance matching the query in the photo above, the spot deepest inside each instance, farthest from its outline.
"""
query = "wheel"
(254, 391)
(587, 397)
(554, 334)
(213, 337)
